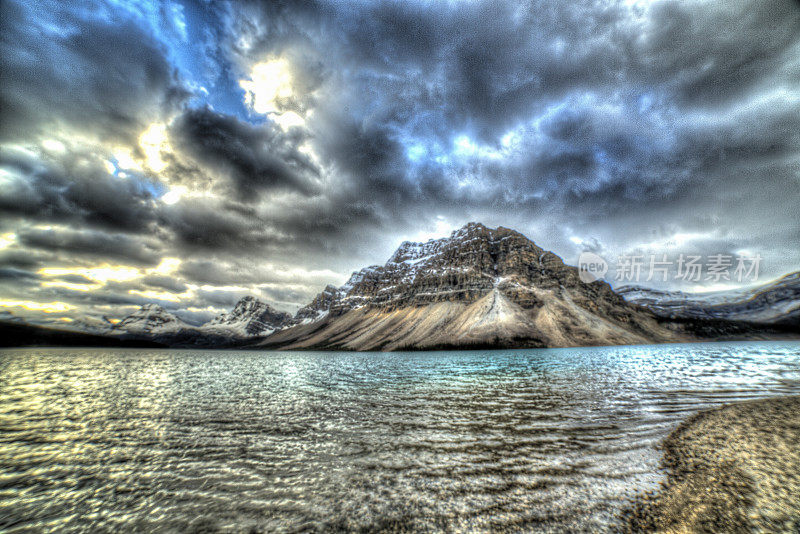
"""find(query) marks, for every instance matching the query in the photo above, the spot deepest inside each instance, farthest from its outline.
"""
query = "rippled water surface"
(533, 440)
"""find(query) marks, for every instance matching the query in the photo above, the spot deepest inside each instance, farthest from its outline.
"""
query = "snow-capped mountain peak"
(150, 319)
(320, 306)
(250, 317)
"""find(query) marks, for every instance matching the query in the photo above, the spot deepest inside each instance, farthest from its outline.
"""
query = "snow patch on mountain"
(250, 317)
(774, 302)
(150, 319)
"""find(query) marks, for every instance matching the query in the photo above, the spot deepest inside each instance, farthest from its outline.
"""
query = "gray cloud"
(585, 125)
(10, 273)
(73, 190)
(62, 68)
(92, 244)
(169, 283)
(257, 158)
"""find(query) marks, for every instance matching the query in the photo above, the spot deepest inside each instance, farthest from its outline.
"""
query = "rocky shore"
(731, 469)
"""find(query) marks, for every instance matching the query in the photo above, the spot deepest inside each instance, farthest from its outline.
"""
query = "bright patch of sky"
(269, 84)
(441, 228)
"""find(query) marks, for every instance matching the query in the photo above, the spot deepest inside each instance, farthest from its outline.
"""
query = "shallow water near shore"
(177, 440)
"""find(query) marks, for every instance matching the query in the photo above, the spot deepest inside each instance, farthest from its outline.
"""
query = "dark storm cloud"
(271, 26)
(213, 225)
(709, 54)
(113, 295)
(701, 165)
(206, 272)
(256, 158)
(641, 156)
(165, 282)
(374, 160)
(74, 191)
(486, 65)
(621, 118)
(8, 273)
(92, 244)
(586, 125)
(221, 299)
(286, 294)
(73, 279)
(62, 67)
(493, 64)
(22, 259)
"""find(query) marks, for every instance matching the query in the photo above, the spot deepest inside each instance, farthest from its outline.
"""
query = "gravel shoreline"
(730, 469)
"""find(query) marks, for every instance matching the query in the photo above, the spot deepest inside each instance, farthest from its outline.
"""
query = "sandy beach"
(731, 469)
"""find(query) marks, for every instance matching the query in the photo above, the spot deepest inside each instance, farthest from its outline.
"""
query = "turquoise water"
(532, 440)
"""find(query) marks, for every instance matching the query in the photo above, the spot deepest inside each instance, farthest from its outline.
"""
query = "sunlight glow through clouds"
(464, 147)
(124, 160)
(7, 239)
(442, 229)
(288, 120)
(72, 286)
(47, 307)
(100, 275)
(53, 145)
(152, 141)
(270, 82)
(103, 273)
(167, 266)
(174, 194)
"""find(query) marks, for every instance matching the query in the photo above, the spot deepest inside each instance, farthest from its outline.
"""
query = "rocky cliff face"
(478, 287)
(319, 307)
(466, 266)
(250, 317)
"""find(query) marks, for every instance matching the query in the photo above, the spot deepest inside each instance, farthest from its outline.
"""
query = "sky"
(192, 153)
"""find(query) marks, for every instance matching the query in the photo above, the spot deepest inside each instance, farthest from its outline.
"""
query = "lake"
(521, 440)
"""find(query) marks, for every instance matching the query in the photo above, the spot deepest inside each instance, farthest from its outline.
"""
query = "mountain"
(15, 334)
(91, 325)
(480, 287)
(150, 320)
(250, 317)
(319, 307)
(775, 303)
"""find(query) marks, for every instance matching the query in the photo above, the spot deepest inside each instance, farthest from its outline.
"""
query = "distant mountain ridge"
(479, 287)
(775, 303)
(18, 334)
(250, 317)
(150, 319)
